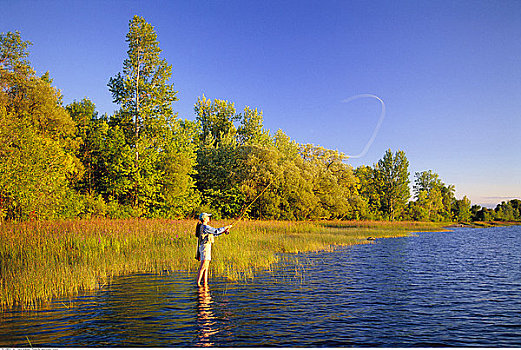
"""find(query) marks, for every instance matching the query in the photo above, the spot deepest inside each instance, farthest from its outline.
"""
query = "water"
(461, 288)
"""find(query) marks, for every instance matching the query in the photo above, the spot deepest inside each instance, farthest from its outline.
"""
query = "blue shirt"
(208, 233)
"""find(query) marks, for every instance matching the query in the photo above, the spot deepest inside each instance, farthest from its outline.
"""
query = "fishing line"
(253, 201)
(378, 124)
(360, 155)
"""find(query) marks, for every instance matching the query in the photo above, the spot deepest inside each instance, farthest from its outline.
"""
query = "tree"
(216, 118)
(334, 184)
(163, 146)
(516, 205)
(426, 181)
(474, 210)
(508, 211)
(84, 114)
(462, 209)
(229, 156)
(145, 96)
(485, 214)
(37, 144)
(434, 199)
(218, 166)
(251, 129)
(369, 192)
(448, 200)
(294, 199)
(392, 181)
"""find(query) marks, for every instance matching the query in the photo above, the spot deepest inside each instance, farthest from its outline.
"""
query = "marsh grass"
(40, 261)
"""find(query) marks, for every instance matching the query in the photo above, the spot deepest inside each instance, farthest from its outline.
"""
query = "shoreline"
(42, 261)
(484, 224)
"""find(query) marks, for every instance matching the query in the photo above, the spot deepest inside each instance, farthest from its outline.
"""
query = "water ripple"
(438, 289)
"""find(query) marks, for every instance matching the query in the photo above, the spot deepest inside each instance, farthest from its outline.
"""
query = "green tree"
(516, 205)
(227, 155)
(485, 214)
(145, 98)
(83, 113)
(474, 212)
(369, 192)
(448, 200)
(334, 183)
(507, 211)
(163, 146)
(462, 209)
(251, 131)
(37, 143)
(392, 181)
(295, 199)
(434, 199)
(216, 166)
(109, 159)
(217, 119)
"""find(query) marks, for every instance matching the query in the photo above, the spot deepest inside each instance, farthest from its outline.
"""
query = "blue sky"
(449, 72)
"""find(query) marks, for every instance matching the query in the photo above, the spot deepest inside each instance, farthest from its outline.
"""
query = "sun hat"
(203, 215)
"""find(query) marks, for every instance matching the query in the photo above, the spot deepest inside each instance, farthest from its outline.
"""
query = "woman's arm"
(215, 231)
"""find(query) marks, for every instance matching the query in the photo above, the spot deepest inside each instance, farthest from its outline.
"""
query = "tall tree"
(392, 180)
(145, 96)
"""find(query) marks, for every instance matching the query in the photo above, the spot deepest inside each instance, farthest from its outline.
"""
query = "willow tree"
(146, 116)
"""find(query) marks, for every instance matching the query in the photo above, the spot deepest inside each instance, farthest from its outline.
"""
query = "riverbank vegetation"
(76, 186)
(48, 259)
(60, 162)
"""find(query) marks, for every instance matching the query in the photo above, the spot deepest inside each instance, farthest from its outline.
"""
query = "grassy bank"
(43, 260)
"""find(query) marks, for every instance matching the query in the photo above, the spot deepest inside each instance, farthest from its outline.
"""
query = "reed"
(40, 261)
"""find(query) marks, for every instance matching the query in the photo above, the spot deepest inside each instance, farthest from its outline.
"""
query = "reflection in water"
(205, 318)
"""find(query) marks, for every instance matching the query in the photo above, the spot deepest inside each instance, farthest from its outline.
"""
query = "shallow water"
(460, 288)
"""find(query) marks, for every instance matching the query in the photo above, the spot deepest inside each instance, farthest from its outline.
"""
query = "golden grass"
(40, 261)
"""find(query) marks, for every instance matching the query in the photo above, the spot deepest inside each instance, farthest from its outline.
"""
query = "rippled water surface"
(461, 288)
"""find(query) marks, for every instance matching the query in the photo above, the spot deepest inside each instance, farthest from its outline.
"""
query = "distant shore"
(478, 224)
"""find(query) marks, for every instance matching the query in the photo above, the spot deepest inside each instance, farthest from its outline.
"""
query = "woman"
(206, 234)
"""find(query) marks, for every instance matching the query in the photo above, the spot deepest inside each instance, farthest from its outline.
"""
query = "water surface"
(460, 288)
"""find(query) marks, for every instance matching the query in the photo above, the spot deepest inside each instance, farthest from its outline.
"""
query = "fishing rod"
(253, 201)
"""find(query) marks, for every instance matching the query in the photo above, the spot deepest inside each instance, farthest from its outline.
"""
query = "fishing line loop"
(378, 124)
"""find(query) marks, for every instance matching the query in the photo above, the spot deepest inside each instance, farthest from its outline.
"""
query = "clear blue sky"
(448, 71)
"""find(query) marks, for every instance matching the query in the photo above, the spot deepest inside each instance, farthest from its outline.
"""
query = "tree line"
(68, 161)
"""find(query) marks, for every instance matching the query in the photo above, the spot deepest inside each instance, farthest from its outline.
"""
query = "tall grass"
(40, 261)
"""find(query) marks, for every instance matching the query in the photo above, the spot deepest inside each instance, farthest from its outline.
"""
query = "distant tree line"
(61, 161)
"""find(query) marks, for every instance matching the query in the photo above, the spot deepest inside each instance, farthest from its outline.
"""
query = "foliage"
(505, 211)
(162, 146)
(392, 183)
(462, 209)
(144, 161)
(36, 138)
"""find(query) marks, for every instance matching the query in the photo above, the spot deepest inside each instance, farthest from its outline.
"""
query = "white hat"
(203, 215)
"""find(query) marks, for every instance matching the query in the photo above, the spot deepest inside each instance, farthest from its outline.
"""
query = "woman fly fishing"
(205, 234)
(205, 238)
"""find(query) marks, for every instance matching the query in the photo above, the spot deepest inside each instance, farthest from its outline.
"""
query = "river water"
(460, 288)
